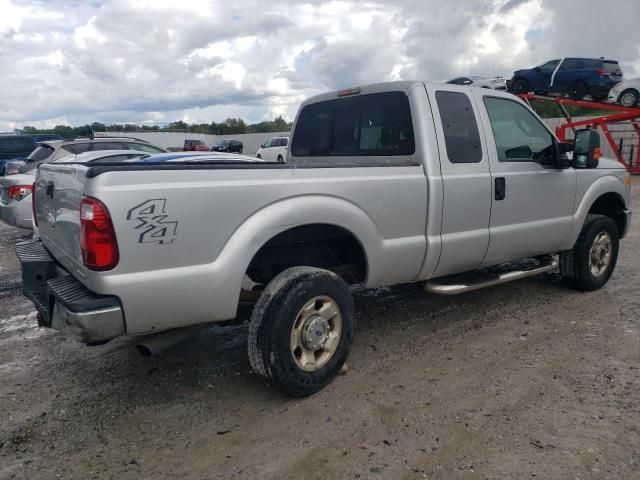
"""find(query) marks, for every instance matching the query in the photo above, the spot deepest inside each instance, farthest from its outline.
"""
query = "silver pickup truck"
(456, 187)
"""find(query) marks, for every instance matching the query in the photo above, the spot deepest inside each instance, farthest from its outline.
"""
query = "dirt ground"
(524, 380)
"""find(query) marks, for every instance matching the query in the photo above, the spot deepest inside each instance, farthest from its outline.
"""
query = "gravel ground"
(524, 380)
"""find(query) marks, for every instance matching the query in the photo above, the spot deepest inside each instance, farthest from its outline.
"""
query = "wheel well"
(612, 206)
(317, 245)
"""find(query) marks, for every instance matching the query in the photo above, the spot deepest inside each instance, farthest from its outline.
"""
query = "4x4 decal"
(152, 222)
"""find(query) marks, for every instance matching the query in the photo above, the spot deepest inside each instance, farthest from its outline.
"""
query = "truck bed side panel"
(186, 237)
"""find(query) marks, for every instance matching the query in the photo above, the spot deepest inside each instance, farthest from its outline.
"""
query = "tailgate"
(57, 195)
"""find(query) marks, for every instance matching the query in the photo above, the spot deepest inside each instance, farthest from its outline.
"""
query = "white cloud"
(151, 60)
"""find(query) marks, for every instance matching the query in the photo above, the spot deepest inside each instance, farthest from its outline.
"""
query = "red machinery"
(630, 157)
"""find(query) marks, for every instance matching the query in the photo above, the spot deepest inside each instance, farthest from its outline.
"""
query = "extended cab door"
(466, 179)
(532, 199)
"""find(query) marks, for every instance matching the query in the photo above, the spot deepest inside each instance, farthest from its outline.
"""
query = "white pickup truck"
(382, 184)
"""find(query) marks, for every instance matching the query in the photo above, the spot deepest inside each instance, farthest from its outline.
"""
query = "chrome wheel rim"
(316, 333)
(628, 99)
(600, 254)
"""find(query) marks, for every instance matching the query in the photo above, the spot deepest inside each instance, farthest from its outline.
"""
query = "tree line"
(231, 126)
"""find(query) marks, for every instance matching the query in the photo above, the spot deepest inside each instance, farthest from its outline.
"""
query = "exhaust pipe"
(155, 343)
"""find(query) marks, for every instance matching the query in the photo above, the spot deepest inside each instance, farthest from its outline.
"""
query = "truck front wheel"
(301, 330)
(588, 266)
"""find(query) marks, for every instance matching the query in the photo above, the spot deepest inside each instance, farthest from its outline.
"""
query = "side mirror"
(586, 151)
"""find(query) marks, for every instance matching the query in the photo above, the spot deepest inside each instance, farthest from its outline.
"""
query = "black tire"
(630, 97)
(575, 264)
(578, 90)
(520, 85)
(280, 159)
(274, 318)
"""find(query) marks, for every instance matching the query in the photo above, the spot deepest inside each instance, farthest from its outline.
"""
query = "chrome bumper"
(65, 304)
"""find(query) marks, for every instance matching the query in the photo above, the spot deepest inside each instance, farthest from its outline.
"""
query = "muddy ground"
(525, 380)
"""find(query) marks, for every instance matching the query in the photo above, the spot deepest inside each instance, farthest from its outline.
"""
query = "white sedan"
(496, 83)
(626, 93)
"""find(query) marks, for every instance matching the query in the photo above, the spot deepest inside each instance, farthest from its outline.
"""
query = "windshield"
(41, 153)
(225, 142)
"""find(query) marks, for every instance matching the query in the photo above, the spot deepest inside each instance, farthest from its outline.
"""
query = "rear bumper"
(17, 213)
(64, 303)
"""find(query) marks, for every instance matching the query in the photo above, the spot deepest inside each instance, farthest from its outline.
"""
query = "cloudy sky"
(75, 62)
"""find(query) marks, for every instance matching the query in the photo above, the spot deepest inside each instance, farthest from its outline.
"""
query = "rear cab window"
(370, 125)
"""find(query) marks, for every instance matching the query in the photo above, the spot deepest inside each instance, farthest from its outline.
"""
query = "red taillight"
(18, 192)
(98, 238)
(603, 72)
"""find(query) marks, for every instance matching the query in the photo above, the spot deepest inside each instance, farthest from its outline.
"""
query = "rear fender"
(388, 260)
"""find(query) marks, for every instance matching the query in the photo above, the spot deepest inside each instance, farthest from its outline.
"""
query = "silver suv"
(51, 150)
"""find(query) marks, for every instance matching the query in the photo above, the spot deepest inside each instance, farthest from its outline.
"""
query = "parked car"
(194, 146)
(496, 83)
(50, 151)
(575, 77)
(18, 147)
(15, 190)
(228, 146)
(383, 184)
(626, 93)
(275, 150)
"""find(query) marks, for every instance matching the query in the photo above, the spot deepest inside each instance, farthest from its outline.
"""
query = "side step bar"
(457, 288)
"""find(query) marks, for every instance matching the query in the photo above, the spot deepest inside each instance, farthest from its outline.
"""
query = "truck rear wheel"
(588, 266)
(301, 330)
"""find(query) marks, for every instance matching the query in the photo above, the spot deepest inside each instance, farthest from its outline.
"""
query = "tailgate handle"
(50, 188)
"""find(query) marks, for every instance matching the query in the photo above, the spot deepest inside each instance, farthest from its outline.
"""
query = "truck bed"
(186, 233)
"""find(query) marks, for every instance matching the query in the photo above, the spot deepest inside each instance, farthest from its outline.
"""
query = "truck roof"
(403, 86)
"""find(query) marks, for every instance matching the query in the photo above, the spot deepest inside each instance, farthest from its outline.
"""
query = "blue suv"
(576, 77)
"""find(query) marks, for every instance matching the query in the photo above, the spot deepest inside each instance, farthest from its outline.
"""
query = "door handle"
(501, 188)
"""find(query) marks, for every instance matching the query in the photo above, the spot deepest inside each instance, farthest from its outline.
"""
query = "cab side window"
(141, 147)
(519, 135)
(571, 64)
(460, 128)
